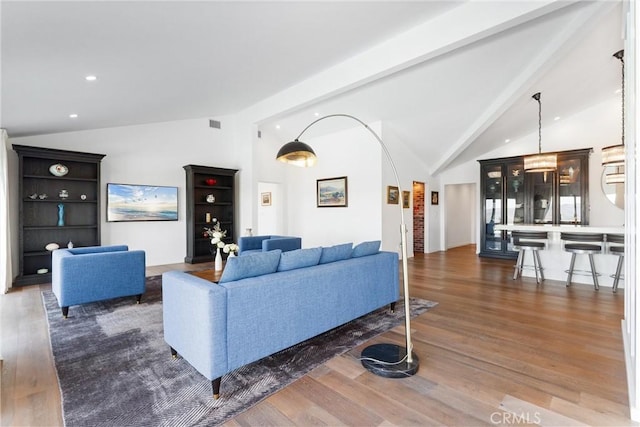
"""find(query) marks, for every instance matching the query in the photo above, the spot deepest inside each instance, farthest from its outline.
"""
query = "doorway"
(418, 217)
(460, 215)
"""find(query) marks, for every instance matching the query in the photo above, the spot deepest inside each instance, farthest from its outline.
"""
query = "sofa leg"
(174, 353)
(215, 384)
(65, 312)
(138, 298)
(392, 307)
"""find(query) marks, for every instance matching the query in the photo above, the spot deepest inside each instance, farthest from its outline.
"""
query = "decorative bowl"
(42, 271)
(52, 246)
(210, 181)
(58, 169)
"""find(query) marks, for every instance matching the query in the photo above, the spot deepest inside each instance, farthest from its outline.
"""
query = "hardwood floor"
(493, 352)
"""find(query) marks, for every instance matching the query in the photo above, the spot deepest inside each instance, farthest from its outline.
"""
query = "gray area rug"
(115, 369)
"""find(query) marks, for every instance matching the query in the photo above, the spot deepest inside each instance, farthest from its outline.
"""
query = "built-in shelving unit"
(512, 196)
(210, 194)
(39, 208)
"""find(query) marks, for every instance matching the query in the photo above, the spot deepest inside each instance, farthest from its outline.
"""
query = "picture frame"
(265, 199)
(406, 199)
(332, 192)
(132, 202)
(393, 195)
(434, 198)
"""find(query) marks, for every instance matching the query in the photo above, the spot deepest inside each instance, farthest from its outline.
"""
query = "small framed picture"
(406, 196)
(392, 195)
(265, 199)
(332, 192)
(434, 197)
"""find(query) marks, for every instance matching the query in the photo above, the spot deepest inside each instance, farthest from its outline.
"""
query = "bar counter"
(555, 260)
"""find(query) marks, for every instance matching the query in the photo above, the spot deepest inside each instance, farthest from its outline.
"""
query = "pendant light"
(547, 162)
(614, 154)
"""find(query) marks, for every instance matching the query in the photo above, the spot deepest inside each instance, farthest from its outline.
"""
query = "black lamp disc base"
(388, 360)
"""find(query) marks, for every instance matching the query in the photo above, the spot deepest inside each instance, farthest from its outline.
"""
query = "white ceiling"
(162, 61)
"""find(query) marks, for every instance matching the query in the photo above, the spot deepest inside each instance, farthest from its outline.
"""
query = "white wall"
(350, 153)
(270, 218)
(460, 206)
(149, 154)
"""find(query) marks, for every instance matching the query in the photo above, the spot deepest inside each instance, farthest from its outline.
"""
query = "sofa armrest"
(250, 243)
(194, 313)
(88, 277)
(97, 249)
(283, 243)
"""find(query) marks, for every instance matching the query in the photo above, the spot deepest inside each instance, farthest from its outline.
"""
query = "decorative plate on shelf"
(58, 169)
(210, 198)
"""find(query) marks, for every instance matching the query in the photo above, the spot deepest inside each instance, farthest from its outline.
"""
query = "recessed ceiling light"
(316, 114)
(507, 140)
(277, 126)
(618, 91)
(73, 116)
(556, 118)
(91, 78)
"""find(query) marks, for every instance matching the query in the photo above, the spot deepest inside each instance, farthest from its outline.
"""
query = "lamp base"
(389, 361)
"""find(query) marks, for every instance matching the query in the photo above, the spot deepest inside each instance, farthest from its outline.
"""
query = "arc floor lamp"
(386, 360)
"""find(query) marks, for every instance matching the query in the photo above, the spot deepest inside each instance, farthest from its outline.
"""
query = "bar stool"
(532, 241)
(583, 243)
(617, 249)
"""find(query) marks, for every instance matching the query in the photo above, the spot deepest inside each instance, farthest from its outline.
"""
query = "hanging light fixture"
(614, 154)
(540, 162)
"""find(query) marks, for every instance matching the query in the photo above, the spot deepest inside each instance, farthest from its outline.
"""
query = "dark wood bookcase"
(199, 210)
(39, 195)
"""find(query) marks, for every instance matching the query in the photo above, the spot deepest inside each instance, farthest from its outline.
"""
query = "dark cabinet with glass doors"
(511, 196)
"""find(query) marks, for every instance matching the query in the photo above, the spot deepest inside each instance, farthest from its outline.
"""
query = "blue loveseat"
(269, 301)
(252, 244)
(96, 273)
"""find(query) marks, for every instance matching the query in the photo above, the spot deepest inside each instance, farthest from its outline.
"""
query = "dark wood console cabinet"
(39, 192)
(511, 196)
(203, 181)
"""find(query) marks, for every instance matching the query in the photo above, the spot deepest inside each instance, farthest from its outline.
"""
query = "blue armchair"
(249, 244)
(96, 273)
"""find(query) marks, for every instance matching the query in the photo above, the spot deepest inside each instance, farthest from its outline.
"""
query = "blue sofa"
(269, 301)
(96, 273)
(253, 244)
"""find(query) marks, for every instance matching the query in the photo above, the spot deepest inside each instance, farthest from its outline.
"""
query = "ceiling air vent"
(214, 124)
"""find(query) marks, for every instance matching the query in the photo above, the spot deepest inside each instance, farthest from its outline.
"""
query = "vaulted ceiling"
(162, 61)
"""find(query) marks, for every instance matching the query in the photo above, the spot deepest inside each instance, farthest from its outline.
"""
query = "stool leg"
(618, 272)
(570, 272)
(537, 254)
(535, 265)
(596, 286)
(518, 266)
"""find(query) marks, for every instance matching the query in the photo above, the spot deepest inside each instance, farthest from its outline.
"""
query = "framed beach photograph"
(332, 192)
(392, 195)
(127, 202)
(406, 197)
(265, 199)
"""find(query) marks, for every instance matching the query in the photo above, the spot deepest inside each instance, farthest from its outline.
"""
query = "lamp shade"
(547, 162)
(613, 155)
(297, 153)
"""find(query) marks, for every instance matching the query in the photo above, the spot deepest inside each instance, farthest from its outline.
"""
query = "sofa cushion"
(241, 267)
(336, 253)
(299, 258)
(366, 248)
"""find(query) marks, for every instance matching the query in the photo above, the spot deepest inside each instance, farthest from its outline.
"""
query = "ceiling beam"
(466, 24)
(521, 84)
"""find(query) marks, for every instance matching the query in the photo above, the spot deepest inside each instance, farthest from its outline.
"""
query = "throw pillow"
(336, 253)
(366, 248)
(299, 258)
(252, 265)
